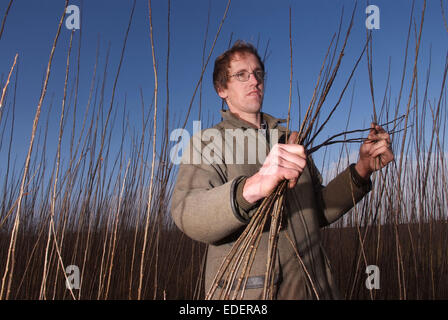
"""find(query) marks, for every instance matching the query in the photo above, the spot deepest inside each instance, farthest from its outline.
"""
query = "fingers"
(377, 134)
(381, 147)
(291, 162)
(292, 183)
(378, 146)
(293, 137)
(291, 175)
(292, 153)
(376, 151)
(274, 174)
(285, 162)
(294, 157)
(288, 152)
(384, 152)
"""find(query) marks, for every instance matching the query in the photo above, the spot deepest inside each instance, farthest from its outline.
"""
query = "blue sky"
(31, 26)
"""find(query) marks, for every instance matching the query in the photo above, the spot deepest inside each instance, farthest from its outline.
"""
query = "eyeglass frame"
(238, 75)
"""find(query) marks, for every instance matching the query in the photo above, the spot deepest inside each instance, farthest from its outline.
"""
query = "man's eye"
(240, 74)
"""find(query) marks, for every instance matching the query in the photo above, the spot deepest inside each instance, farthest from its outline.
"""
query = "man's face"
(243, 98)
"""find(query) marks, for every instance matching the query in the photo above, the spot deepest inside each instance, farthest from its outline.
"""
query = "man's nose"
(253, 79)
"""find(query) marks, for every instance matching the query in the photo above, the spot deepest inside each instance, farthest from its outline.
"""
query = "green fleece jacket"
(207, 205)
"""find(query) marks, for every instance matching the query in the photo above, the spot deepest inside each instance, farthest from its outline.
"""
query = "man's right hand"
(284, 162)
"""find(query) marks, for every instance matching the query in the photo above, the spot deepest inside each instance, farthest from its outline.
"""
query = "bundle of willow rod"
(239, 260)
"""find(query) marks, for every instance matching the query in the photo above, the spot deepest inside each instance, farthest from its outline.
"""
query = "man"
(214, 200)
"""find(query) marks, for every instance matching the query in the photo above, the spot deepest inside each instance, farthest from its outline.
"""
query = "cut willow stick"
(328, 85)
(443, 15)
(332, 140)
(290, 75)
(4, 18)
(258, 215)
(2, 99)
(399, 254)
(148, 213)
(277, 215)
(310, 141)
(43, 286)
(268, 291)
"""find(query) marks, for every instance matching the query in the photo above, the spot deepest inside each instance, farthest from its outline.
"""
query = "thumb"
(372, 131)
(293, 137)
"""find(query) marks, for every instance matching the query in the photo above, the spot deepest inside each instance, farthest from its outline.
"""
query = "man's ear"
(222, 93)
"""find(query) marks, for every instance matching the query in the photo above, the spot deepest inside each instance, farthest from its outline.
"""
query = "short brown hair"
(222, 63)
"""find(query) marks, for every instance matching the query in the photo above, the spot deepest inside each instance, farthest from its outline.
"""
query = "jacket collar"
(230, 120)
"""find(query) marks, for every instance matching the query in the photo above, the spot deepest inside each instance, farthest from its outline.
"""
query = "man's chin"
(256, 107)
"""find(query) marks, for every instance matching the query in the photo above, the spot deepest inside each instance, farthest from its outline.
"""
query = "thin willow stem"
(148, 213)
(2, 98)
(56, 176)
(4, 19)
(9, 268)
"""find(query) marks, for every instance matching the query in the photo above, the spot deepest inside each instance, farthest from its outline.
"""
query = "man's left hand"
(375, 153)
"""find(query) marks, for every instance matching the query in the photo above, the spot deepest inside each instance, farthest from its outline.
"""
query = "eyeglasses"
(244, 75)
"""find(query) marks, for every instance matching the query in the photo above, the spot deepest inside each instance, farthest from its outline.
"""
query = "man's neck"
(253, 119)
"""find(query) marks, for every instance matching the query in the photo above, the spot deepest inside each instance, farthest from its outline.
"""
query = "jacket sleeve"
(340, 194)
(203, 201)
